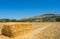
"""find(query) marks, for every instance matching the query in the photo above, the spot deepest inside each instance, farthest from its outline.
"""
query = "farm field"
(38, 30)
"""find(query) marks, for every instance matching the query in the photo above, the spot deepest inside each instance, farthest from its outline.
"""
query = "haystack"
(16, 29)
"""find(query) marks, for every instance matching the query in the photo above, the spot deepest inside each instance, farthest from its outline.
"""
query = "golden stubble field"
(35, 30)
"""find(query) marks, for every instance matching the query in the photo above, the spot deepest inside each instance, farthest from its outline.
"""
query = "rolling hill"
(43, 18)
(40, 18)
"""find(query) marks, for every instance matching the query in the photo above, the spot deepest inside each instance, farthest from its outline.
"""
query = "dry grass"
(21, 30)
(52, 32)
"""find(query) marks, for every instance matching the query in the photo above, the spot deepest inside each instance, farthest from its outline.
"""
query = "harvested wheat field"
(38, 30)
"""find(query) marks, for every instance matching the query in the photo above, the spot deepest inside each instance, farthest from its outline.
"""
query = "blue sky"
(16, 9)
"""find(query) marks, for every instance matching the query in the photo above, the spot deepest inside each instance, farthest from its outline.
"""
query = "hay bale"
(1, 28)
(16, 29)
(6, 30)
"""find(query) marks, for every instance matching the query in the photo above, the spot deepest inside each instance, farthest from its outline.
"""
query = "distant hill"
(41, 18)
(45, 15)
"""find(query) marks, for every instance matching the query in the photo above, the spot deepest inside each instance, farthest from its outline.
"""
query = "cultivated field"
(38, 30)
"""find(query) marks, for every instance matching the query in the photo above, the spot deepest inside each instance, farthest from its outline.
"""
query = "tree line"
(47, 19)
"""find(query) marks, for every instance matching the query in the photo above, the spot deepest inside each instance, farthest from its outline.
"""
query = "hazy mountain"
(46, 15)
(42, 18)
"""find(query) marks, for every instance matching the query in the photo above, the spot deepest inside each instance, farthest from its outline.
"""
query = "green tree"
(58, 19)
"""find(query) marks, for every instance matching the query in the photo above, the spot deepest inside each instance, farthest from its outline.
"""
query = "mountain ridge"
(41, 18)
(44, 17)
